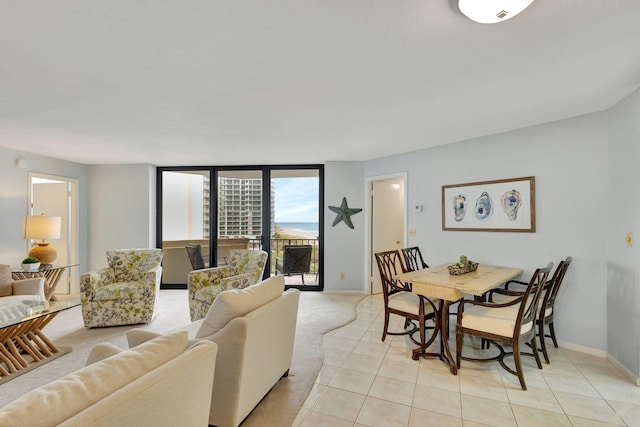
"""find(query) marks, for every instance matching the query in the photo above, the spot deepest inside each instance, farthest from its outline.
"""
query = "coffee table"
(23, 345)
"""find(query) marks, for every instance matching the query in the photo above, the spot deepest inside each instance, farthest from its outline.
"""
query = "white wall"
(569, 161)
(14, 203)
(121, 208)
(623, 299)
(343, 247)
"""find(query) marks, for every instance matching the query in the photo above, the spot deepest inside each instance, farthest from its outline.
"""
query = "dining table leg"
(445, 352)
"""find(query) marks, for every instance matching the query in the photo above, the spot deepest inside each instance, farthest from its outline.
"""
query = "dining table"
(437, 282)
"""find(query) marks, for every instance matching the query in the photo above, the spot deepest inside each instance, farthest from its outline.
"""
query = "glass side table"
(51, 277)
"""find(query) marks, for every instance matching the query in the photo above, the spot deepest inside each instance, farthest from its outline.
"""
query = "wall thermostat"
(417, 208)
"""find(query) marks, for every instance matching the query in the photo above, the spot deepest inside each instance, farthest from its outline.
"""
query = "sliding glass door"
(273, 208)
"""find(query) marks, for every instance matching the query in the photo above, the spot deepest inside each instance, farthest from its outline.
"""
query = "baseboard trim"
(626, 371)
(635, 379)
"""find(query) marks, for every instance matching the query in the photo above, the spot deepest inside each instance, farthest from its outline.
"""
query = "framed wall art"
(500, 205)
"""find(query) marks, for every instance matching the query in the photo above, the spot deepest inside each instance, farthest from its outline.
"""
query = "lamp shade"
(42, 227)
(492, 11)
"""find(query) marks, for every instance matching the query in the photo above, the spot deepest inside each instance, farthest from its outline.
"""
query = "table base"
(445, 351)
(24, 347)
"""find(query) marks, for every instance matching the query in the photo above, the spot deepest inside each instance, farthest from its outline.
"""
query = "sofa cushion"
(6, 287)
(238, 302)
(56, 402)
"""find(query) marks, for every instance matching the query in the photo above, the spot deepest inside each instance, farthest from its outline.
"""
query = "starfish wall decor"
(344, 213)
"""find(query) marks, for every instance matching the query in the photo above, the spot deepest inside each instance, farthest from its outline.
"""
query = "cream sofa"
(254, 328)
(159, 383)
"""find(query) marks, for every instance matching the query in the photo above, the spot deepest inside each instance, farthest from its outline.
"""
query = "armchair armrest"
(515, 282)
(93, 279)
(504, 292)
(463, 302)
(238, 281)
(198, 279)
(34, 286)
(152, 277)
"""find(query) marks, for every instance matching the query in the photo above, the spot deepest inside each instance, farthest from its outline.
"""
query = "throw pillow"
(6, 287)
(102, 351)
(238, 302)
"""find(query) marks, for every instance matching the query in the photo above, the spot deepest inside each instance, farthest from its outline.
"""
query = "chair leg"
(386, 325)
(459, 341)
(534, 346)
(553, 335)
(518, 363)
(302, 278)
(543, 344)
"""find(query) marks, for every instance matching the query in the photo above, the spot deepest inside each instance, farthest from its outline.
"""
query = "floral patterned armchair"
(245, 268)
(125, 293)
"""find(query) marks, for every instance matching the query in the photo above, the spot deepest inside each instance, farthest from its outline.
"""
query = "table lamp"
(42, 227)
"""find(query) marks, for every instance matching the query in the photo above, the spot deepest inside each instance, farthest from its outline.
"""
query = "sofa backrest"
(234, 303)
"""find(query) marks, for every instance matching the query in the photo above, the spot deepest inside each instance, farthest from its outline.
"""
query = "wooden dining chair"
(399, 300)
(511, 322)
(546, 308)
(412, 259)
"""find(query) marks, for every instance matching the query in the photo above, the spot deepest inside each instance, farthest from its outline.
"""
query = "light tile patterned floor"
(365, 382)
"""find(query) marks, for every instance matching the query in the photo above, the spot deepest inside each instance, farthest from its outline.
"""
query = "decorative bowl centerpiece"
(463, 266)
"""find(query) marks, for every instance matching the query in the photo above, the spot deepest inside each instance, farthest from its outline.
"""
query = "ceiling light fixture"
(492, 11)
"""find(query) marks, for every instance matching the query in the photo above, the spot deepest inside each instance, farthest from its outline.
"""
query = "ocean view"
(307, 227)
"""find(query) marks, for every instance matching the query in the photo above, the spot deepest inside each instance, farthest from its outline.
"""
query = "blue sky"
(296, 199)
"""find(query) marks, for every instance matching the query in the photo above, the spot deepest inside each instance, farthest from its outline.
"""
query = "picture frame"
(499, 205)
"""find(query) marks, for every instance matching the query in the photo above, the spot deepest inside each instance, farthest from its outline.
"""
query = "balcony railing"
(277, 247)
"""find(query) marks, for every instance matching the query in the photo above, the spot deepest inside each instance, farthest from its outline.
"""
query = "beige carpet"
(318, 313)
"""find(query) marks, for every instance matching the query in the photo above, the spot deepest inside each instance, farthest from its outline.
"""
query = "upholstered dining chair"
(412, 259)
(125, 293)
(546, 309)
(203, 286)
(511, 322)
(399, 300)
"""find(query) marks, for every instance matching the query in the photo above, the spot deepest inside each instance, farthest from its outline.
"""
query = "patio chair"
(296, 259)
(194, 252)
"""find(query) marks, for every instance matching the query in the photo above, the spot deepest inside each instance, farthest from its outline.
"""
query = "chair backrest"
(532, 296)
(555, 282)
(131, 264)
(296, 259)
(248, 261)
(413, 259)
(389, 265)
(194, 252)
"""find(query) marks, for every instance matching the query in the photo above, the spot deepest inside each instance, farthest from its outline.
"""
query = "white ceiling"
(199, 82)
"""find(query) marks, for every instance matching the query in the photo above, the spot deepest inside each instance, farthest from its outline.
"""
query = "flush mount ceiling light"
(492, 11)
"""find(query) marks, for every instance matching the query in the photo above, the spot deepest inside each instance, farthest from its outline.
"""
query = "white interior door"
(54, 197)
(387, 221)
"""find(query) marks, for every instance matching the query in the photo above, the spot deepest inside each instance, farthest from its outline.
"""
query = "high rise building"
(240, 207)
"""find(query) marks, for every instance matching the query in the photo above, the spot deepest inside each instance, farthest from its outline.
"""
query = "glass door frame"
(266, 207)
